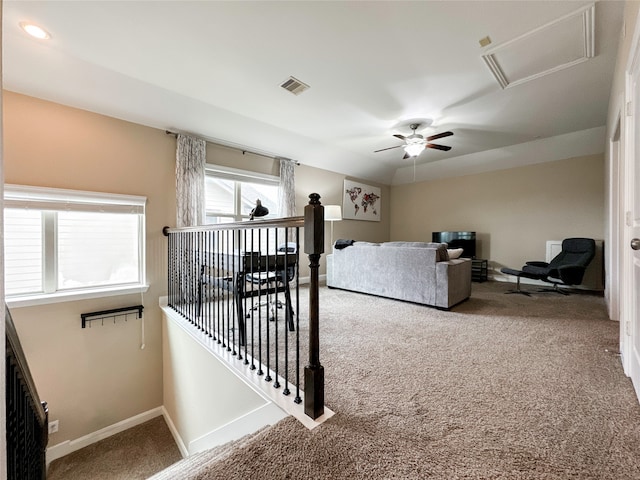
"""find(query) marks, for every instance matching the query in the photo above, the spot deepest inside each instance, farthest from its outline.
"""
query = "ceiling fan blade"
(401, 137)
(438, 147)
(439, 135)
(383, 149)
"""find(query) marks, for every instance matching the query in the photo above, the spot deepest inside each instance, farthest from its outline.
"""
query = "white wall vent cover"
(560, 44)
(294, 85)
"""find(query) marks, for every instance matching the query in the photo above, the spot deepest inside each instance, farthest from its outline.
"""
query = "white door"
(630, 254)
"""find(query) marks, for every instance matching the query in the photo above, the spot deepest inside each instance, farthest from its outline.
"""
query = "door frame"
(629, 324)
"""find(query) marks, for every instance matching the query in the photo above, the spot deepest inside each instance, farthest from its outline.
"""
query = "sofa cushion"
(405, 244)
(441, 248)
(454, 253)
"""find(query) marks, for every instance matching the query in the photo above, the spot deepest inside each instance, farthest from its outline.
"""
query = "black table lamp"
(259, 210)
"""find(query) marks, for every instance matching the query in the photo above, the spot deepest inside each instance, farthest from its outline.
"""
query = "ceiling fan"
(416, 143)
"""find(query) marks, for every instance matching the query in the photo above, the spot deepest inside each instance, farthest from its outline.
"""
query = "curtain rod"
(243, 150)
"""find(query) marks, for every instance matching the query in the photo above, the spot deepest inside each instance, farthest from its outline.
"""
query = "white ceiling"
(214, 69)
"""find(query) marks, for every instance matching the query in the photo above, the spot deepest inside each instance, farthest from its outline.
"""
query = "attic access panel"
(557, 45)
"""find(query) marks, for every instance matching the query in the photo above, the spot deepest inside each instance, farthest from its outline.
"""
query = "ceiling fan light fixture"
(35, 31)
(414, 149)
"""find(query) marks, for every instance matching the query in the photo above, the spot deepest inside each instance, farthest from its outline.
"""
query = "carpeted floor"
(501, 387)
(134, 454)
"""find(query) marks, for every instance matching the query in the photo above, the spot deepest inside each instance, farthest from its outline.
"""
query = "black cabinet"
(479, 269)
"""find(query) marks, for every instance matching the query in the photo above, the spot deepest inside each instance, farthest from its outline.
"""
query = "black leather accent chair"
(566, 269)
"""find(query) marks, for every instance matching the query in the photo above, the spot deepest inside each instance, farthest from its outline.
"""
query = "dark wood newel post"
(314, 247)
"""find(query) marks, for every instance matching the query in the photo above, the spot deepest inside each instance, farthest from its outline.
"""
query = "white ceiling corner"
(556, 45)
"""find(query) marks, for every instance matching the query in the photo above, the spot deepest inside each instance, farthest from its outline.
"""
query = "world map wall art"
(360, 202)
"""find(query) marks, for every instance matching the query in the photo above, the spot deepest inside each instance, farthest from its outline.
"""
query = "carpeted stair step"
(198, 464)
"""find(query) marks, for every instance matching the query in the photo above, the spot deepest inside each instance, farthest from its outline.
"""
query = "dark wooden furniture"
(240, 265)
(479, 270)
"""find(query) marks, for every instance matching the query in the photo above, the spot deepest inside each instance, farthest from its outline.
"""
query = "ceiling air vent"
(294, 85)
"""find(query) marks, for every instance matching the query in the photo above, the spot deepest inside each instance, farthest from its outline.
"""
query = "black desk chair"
(566, 269)
(277, 280)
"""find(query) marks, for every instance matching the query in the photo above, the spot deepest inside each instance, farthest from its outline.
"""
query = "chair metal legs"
(517, 289)
(555, 289)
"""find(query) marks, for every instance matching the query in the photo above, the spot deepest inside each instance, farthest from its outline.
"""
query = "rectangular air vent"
(294, 85)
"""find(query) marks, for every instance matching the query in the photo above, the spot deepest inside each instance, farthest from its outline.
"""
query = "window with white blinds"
(61, 241)
(23, 265)
(231, 194)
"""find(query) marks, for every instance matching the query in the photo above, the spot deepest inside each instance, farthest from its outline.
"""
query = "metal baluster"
(197, 281)
(176, 273)
(173, 240)
(276, 383)
(285, 277)
(244, 247)
(170, 272)
(260, 371)
(192, 241)
(268, 343)
(210, 286)
(225, 316)
(231, 342)
(253, 353)
(219, 274)
(203, 294)
(179, 272)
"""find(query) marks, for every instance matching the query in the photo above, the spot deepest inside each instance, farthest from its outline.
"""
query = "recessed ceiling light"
(35, 30)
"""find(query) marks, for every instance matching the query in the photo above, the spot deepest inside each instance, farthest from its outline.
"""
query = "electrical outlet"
(53, 426)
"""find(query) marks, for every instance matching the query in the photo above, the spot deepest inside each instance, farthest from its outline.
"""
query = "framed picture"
(360, 202)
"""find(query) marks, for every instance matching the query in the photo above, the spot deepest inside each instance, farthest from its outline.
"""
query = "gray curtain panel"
(287, 188)
(191, 157)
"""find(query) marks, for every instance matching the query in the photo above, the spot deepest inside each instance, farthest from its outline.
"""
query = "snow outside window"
(62, 241)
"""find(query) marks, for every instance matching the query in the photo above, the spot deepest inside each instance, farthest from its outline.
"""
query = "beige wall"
(513, 212)
(328, 185)
(93, 377)
(197, 408)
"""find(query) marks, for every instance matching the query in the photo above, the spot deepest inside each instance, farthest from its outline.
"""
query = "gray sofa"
(417, 272)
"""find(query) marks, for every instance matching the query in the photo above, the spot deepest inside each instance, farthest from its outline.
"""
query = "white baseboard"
(65, 448)
(501, 277)
(267, 414)
(306, 280)
(176, 436)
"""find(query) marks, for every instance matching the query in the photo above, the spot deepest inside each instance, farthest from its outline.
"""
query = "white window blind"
(23, 251)
(64, 240)
(97, 249)
(231, 194)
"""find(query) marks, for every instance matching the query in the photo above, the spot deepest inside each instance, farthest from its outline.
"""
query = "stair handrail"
(23, 464)
(313, 224)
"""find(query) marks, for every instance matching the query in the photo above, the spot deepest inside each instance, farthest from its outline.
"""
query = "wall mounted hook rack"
(114, 312)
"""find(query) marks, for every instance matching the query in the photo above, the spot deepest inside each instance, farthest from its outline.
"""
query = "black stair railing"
(239, 284)
(26, 416)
